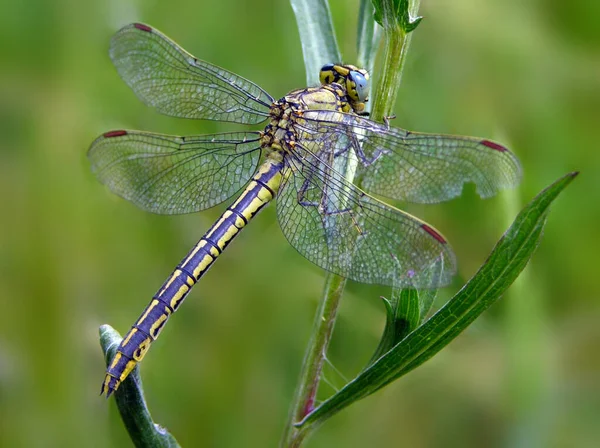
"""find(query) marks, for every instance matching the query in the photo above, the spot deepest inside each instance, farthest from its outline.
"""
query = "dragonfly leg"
(368, 161)
(355, 143)
(303, 191)
(344, 149)
(387, 120)
(323, 205)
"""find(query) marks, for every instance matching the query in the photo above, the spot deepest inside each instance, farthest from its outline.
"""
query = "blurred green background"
(73, 256)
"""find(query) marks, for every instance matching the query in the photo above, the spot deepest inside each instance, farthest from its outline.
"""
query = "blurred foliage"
(73, 257)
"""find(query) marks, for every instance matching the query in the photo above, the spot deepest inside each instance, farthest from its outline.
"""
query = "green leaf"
(503, 266)
(395, 13)
(405, 311)
(316, 35)
(402, 317)
(408, 312)
(131, 402)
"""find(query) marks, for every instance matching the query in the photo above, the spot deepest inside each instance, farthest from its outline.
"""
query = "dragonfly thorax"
(281, 132)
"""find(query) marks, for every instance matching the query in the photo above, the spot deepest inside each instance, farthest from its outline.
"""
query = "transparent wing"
(165, 76)
(169, 175)
(343, 230)
(415, 167)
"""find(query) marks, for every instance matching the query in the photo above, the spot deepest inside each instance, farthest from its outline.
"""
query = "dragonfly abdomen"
(259, 192)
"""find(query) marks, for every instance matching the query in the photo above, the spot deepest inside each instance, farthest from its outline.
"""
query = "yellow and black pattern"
(354, 80)
(313, 145)
(260, 191)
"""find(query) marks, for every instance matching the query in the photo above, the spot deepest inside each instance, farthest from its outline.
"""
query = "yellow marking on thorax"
(325, 97)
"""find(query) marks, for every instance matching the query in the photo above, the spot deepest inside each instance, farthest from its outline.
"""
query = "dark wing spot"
(493, 145)
(433, 233)
(142, 27)
(111, 134)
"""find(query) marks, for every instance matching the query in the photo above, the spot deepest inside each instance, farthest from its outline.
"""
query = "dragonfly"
(319, 156)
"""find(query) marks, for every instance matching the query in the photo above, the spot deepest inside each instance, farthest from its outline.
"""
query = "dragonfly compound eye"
(358, 85)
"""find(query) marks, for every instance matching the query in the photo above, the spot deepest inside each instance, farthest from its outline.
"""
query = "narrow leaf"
(402, 317)
(503, 266)
(131, 402)
(405, 311)
(317, 36)
(408, 312)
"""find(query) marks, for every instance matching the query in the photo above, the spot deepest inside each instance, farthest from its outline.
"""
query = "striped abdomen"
(135, 344)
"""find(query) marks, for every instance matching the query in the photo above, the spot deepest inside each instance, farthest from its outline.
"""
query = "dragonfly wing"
(165, 76)
(170, 175)
(416, 167)
(340, 228)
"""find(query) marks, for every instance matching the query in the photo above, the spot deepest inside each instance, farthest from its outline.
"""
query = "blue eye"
(361, 83)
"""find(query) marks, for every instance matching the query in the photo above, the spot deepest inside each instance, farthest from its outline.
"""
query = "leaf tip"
(411, 25)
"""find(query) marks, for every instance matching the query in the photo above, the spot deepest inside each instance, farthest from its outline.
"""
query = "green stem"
(319, 47)
(314, 358)
(396, 42)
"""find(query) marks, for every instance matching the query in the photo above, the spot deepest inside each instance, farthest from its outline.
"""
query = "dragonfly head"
(355, 80)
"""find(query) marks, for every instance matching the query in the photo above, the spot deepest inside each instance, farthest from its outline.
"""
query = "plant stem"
(396, 46)
(319, 47)
(304, 399)
(396, 42)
